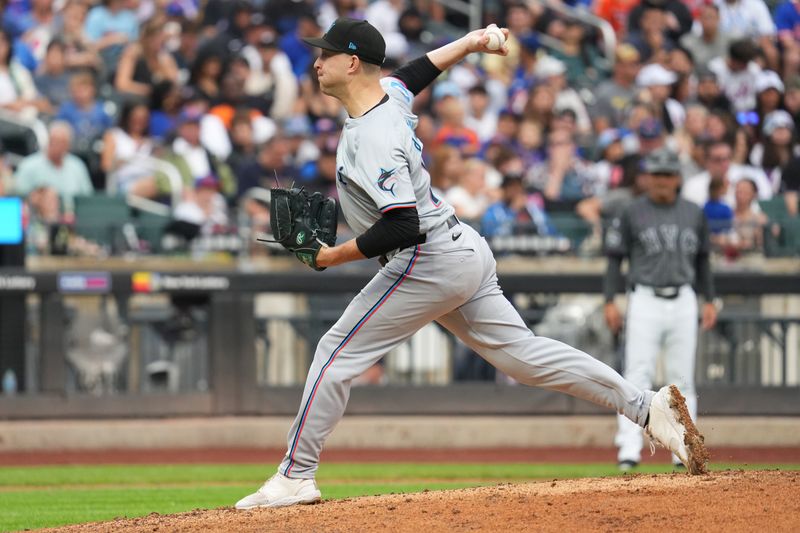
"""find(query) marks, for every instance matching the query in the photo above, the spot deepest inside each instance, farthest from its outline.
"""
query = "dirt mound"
(724, 501)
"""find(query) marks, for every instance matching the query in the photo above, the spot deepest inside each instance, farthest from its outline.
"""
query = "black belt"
(667, 293)
(452, 221)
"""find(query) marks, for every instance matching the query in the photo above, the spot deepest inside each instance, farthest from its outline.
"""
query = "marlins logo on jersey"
(387, 181)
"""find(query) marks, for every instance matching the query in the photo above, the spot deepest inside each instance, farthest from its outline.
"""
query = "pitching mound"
(726, 501)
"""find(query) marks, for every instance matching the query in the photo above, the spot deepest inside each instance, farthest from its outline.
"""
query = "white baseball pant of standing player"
(448, 276)
(655, 324)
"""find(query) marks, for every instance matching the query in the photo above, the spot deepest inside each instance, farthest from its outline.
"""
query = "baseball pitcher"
(433, 267)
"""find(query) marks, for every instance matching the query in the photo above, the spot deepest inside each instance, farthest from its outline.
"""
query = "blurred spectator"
(787, 22)
(470, 196)
(769, 94)
(616, 12)
(83, 111)
(55, 167)
(553, 73)
(6, 174)
(231, 38)
(385, 15)
(600, 210)
(718, 213)
(790, 181)
(706, 41)
(529, 145)
(658, 83)
(193, 160)
(109, 27)
(564, 178)
(78, 49)
(302, 150)
(127, 150)
(522, 77)
(748, 221)
(709, 92)
(17, 90)
(165, 107)
(243, 144)
(778, 148)
(750, 19)
(677, 19)
(445, 169)
(515, 213)
(206, 74)
(324, 180)
(540, 107)
(480, 117)
(452, 130)
(268, 166)
(651, 38)
(737, 73)
(610, 153)
(791, 100)
(187, 49)
(579, 56)
(34, 28)
(271, 78)
(299, 53)
(411, 25)
(204, 207)
(146, 63)
(613, 96)
(52, 79)
(650, 135)
(719, 168)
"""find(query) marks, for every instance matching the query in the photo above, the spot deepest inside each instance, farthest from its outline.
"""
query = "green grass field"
(35, 497)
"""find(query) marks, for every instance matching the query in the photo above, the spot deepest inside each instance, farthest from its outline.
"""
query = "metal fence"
(205, 344)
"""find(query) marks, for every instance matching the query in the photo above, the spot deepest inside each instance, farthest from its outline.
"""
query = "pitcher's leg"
(491, 326)
(643, 335)
(392, 307)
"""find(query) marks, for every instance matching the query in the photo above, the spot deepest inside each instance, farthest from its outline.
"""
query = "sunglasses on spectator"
(719, 158)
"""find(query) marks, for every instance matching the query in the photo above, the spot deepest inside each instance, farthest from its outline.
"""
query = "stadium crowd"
(202, 105)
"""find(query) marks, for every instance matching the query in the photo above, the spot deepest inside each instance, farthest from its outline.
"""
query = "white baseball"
(496, 37)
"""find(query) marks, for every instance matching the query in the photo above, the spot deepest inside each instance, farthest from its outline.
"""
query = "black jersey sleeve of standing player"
(417, 74)
(398, 228)
(704, 281)
(612, 277)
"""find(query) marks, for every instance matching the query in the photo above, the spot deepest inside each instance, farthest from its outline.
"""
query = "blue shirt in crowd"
(87, 123)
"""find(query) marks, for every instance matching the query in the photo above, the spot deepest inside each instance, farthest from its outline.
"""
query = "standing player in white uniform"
(665, 239)
(434, 268)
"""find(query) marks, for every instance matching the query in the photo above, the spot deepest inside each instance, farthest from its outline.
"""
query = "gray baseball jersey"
(450, 279)
(661, 241)
(379, 165)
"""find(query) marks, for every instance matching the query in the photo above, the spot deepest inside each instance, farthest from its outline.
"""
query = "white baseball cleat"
(671, 426)
(281, 491)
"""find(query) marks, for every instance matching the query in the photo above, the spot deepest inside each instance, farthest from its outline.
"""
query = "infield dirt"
(721, 501)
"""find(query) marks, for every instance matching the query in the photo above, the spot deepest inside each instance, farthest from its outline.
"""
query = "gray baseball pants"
(451, 279)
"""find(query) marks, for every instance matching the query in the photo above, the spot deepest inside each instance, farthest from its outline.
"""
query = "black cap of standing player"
(355, 37)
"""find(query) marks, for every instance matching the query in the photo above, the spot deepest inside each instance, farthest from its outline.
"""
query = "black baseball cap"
(354, 37)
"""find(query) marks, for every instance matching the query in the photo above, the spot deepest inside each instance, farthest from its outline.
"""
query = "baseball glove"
(302, 222)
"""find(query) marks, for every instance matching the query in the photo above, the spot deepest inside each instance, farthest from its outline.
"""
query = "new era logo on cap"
(351, 36)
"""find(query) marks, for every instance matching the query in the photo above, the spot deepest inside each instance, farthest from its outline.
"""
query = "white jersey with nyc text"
(379, 165)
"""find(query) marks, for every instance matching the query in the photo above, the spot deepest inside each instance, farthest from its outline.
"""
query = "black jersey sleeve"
(417, 74)
(397, 228)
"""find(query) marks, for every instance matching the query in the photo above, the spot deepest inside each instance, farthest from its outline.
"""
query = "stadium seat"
(150, 228)
(570, 226)
(101, 218)
(775, 209)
